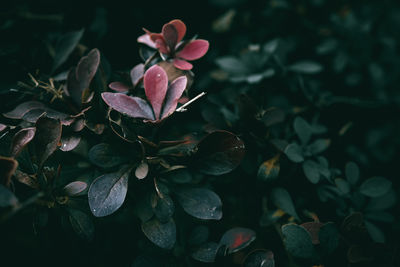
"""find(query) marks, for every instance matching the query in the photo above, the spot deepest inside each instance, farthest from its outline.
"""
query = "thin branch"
(183, 107)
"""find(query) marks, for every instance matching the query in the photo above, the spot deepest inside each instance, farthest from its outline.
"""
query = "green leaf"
(259, 258)
(328, 238)
(343, 185)
(298, 241)
(375, 186)
(281, 198)
(207, 252)
(302, 129)
(311, 171)
(7, 198)
(82, 224)
(383, 202)
(318, 146)
(380, 216)
(161, 234)
(107, 192)
(105, 156)
(352, 173)
(201, 203)
(231, 65)
(375, 233)
(306, 67)
(294, 153)
(64, 47)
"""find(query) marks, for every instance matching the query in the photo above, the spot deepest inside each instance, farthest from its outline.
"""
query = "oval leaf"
(219, 152)
(237, 238)
(47, 137)
(155, 86)
(375, 186)
(282, 200)
(201, 203)
(134, 107)
(75, 188)
(161, 234)
(82, 224)
(298, 241)
(107, 193)
(259, 258)
(207, 252)
(194, 50)
(21, 139)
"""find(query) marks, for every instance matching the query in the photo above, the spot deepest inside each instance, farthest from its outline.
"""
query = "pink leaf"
(162, 46)
(175, 91)
(194, 50)
(131, 106)
(155, 86)
(119, 87)
(137, 74)
(182, 64)
(180, 28)
(22, 109)
(170, 35)
(145, 39)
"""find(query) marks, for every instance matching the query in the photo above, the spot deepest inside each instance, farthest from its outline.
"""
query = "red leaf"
(175, 91)
(119, 87)
(182, 64)
(237, 238)
(162, 46)
(180, 28)
(131, 106)
(21, 139)
(170, 35)
(137, 74)
(155, 86)
(194, 50)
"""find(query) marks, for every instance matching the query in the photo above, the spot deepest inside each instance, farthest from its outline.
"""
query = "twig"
(183, 107)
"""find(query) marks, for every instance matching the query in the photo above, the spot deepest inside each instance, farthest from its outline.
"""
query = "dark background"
(27, 27)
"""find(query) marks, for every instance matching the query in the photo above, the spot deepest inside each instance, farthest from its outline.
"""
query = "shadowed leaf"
(137, 73)
(107, 192)
(259, 258)
(21, 139)
(19, 111)
(282, 200)
(64, 47)
(105, 156)
(82, 224)
(47, 138)
(219, 152)
(206, 252)
(298, 241)
(201, 203)
(70, 142)
(375, 186)
(7, 198)
(161, 234)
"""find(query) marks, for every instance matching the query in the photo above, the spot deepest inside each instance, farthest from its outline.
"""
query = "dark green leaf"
(329, 238)
(8, 166)
(47, 138)
(201, 203)
(163, 207)
(380, 216)
(207, 252)
(375, 186)
(259, 258)
(302, 129)
(318, 146)
(383, 202)
(219, 152)
(82, 224)
(306, 67)
(311, 171)
(7, 198)
(198, 235)
(376, 234)
(294, 153)
(281, 198)
(107, 192)
(343, 185)
(231, 65)
(64, 47)
(298, 241)
(105, 156)
(161, 234)
(352, 173)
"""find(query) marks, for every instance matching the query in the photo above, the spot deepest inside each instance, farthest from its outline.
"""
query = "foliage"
(121, 157)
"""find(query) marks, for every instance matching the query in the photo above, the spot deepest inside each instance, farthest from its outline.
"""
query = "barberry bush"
(260, 146)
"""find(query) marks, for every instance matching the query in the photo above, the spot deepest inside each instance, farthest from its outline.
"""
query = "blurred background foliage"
(334, 65)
